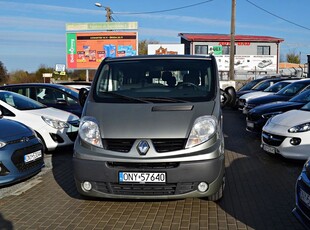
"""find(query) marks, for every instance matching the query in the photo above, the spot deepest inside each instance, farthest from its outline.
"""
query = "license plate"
(250, 124)
(32, 156)
(269, 149)
(305, 197)
(142, 177)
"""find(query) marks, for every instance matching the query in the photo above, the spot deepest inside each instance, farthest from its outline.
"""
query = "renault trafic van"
(151, 128)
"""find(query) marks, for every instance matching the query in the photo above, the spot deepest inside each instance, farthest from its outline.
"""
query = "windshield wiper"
(116, 95)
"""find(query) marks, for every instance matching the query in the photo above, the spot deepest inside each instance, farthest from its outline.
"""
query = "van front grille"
(160, 145)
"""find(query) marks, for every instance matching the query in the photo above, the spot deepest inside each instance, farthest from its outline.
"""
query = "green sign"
(217, 50)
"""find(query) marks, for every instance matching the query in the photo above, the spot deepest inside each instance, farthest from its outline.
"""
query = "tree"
(292, 57)
(143, 46)
(3, 73)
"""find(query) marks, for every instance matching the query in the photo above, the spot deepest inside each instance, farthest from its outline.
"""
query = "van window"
(156, 81)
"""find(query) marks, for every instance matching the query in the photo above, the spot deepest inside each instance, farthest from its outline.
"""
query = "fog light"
(202, 187)
(86, 186)
(3, 170)
(295, 141)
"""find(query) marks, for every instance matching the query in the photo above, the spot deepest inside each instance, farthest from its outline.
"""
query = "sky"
(33, 32)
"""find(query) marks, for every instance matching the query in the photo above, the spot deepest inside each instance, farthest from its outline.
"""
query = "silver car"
(151, 128)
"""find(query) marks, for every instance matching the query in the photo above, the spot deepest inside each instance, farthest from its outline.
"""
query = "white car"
(56, 128)
(288, 134)
(270, 90)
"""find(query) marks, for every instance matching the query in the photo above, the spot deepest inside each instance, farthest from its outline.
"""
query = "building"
(254, 55)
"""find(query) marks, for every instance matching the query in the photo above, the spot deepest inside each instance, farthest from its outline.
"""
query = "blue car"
(302, 196)
(21, 152)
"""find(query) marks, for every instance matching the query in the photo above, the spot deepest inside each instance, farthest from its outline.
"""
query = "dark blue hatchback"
(21, 152)
(302, 195)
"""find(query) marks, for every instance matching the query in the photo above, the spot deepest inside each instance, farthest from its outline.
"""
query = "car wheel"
(232, 93)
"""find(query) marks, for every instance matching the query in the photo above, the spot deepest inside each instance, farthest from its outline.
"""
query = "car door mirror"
(83, 93)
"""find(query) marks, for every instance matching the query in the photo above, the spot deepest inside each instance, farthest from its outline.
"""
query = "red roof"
(226, 38)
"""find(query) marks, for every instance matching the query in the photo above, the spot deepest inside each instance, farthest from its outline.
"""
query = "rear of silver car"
(152, 130)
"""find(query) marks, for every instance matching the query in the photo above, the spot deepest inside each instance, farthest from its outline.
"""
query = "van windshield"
(156, 81)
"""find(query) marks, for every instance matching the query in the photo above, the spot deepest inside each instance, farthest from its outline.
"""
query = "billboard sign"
(87, 50)
(165, 49)
(248, 62)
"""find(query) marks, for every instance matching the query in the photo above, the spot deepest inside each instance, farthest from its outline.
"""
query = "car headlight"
(57, 124)
(89, 131)
(300, 128)
(203, 129)
(2, 144)
(268, 115)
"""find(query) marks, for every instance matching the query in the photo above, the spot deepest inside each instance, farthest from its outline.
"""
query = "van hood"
(147, 120)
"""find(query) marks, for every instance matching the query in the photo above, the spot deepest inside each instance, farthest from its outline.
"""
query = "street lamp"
(108, 10)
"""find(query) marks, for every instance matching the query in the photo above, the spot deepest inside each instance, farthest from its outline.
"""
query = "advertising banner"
(165, 49)
(248, 62)
(87, 50)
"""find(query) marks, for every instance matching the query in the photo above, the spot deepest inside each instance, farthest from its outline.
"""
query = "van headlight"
(300, 128)
(89, 131)
(56, 124)
(203, 129)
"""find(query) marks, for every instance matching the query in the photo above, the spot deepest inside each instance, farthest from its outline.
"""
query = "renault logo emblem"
(143, 147)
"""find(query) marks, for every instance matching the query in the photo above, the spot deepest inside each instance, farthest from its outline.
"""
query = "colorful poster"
(87, 50)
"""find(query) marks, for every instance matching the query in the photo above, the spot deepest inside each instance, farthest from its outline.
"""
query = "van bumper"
(182, 179)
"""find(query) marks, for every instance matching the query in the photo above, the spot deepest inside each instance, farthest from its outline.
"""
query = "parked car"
(258, 116)
(302, 196)
(260, 86)
(284, 94)
(270, 90)
(52, 95)
(55, 128)
(21, 152)
(288, 134)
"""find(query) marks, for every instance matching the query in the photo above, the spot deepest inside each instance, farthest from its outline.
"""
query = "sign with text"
(87, 50)
(248, 62)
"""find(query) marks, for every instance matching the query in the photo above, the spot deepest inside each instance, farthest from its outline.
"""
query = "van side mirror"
(83, 93)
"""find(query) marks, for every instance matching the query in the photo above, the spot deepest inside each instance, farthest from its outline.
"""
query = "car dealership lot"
(259, 194)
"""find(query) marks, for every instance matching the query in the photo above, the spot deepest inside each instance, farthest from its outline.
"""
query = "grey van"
(151, 128)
